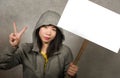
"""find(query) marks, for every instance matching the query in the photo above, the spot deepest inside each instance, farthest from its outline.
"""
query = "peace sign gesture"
(14, 38)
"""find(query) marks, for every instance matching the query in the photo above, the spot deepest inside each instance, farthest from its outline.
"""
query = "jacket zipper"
(45, 69)
(44, 66)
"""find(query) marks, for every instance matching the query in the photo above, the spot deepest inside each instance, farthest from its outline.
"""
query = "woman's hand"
(72, 70)
(14, 38)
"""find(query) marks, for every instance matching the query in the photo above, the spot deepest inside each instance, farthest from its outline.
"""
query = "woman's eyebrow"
(53, 27)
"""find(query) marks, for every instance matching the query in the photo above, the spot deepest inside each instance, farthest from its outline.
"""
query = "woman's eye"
(54, 29)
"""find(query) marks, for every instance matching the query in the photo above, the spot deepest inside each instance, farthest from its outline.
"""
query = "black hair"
(55, 44)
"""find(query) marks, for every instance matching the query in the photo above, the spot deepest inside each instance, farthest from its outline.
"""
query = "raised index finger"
(23, 30)
(15, 27)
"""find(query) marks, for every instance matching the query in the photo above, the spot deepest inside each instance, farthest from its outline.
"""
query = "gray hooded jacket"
(33, 62)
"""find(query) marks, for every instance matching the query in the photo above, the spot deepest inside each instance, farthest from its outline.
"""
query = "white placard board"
(92, 22)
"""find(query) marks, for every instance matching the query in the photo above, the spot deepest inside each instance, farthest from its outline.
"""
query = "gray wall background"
(96, 61)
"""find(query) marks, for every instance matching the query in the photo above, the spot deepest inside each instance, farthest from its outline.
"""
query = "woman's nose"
(49, 32)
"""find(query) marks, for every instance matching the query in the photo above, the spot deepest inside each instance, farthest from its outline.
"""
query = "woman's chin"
(46, 42)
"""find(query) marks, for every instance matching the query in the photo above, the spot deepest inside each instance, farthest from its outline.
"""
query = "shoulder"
(66, 53)
(65, 50)
(26, 46)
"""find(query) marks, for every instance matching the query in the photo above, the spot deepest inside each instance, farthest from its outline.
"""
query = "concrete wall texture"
(95, 62)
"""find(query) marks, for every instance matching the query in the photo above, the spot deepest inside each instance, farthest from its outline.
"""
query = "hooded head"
(48, 18)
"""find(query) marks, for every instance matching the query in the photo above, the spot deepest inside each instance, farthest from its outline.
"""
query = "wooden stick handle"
(84, 45)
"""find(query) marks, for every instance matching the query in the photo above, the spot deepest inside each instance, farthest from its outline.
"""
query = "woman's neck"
(44, 47)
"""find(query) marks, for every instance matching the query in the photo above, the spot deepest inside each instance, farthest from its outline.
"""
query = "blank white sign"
(92, 22)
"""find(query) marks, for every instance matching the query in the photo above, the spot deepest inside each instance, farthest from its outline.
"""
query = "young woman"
(46, 57)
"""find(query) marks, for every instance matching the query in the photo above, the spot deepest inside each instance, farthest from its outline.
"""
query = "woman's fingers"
(72, 70)
(22, 31)
(15, 27)
(18, 34)
(71, 73)
(14, 38)
(14, 41)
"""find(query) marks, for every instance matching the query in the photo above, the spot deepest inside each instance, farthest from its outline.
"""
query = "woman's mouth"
(46, 38)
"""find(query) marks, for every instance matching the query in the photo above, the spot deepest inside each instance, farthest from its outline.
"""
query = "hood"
(48, 17)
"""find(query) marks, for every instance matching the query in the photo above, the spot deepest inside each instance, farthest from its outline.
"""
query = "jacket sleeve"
(10, 57)
(68, 60)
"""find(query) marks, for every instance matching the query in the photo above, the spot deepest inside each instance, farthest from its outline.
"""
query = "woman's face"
(47, 33)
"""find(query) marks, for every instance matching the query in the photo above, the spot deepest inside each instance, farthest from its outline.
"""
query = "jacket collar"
(35, 48)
